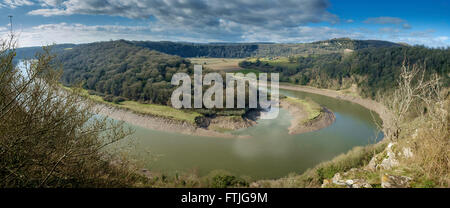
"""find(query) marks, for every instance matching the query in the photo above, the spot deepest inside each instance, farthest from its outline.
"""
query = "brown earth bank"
(165, 124)
(325, 119)
(228, 123)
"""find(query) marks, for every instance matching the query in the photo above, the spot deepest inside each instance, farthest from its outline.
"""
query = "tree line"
(372, 69)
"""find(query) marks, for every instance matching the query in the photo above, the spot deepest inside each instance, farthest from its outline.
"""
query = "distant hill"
(243, 50)
(30, 52)
(239, 50)
(347, 43)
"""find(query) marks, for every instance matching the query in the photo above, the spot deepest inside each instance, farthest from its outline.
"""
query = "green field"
(218, 64)
(280, 61)
(148, 109)
(246, 71)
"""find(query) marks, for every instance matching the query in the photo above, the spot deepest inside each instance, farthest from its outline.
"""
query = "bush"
(202, 121)
(222, 179)
(108, 98)
(118, 100)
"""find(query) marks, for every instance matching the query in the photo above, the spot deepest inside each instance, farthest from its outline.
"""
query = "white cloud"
(406, 26)
(48, 12)
(48, 34)
(53, 3)
(78, 33)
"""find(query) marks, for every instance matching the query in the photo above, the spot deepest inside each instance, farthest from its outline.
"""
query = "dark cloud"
(200, 13)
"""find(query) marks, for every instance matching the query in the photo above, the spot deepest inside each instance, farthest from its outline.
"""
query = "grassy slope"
(313, 109)
(357, 157)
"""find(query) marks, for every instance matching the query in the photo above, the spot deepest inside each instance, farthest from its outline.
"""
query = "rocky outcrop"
(346, 180)
(230, 123)
(391, 181)
(382, 171)
(389, 158)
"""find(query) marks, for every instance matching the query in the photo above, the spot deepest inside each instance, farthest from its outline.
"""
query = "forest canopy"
(121, 69)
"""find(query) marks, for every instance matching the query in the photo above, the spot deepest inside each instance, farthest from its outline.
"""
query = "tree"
(49, 136)
(411, 88)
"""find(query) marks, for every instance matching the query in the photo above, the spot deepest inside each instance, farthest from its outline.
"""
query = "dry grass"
(218, 64)
(431, 145)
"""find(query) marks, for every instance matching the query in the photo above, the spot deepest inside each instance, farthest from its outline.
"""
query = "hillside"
(127, 76)
(122, 69)
(372, 69)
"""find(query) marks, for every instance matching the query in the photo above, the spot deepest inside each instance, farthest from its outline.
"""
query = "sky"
(44, 22)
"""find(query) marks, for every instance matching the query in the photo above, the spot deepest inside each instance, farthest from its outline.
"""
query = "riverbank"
(308, 116)
(372, 105)
(158, 123)
(219, 126)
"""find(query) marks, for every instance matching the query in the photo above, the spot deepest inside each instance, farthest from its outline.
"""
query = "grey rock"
(390, 181)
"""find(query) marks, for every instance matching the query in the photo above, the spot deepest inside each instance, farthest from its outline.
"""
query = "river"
(270, 153)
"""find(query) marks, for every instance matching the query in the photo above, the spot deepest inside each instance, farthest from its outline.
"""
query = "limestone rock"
(326, 183)
(390, 181)
(359, 183)
(407, 152)
(349, 183)
(390, 160)
(337, 179)
(372, 166)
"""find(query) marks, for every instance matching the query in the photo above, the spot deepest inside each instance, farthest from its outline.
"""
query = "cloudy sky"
(42, 22)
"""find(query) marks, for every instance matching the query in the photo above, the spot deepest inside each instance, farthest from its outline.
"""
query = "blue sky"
(42, 22)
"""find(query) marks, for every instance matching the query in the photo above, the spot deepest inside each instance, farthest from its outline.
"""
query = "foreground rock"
(383, 170)
(391, 181)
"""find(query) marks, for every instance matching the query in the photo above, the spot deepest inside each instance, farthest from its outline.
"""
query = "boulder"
(359, 183)
(337, 179)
